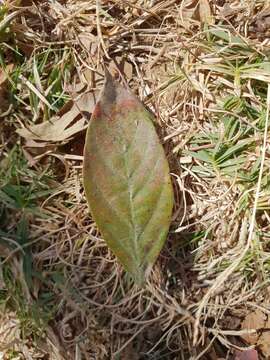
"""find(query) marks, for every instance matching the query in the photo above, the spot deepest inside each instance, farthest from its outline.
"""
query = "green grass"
(21, 191)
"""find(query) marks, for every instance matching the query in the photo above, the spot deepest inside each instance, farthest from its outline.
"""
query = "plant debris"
(60, 128)
(202, 68)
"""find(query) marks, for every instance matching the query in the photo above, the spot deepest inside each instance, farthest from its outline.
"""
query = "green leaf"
(23, 238)
(238, 161)
(227, 36)
(202, 155)
(126, 179)
(233, 150)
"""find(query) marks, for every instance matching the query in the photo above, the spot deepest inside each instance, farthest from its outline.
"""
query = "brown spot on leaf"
(127, 104)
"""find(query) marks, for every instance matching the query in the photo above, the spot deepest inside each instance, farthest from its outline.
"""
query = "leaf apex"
(108, 76)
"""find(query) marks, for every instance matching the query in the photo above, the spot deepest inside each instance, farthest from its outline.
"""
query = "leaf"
(238, 161)
(264, 343)
(253, 321)
(4, 78)
(205, 12)
(62, 127)
(233, 150)
(126, 179)
(23, 238)
(202, 155)
(187, 13)
(227, 36)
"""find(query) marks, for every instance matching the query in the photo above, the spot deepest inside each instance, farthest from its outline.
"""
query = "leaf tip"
(107, 76)
(109, 93)
(97, 111)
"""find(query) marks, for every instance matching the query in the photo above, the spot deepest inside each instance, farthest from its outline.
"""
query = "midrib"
(131, 207)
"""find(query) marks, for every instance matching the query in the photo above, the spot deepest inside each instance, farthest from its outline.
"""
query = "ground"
(202, 67)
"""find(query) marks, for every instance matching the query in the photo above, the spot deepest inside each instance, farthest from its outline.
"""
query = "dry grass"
(202, 67)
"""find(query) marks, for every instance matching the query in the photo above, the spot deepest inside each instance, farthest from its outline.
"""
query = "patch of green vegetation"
(13, 354)
(226, 154)
(49, 70)
(20, 185)
(46, 74)
(228, 150)
(35, 87)
(34, 315)
(21, 190)
(37, 83)
(190, 240)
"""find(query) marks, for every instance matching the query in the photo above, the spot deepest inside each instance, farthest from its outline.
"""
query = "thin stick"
(99, 30)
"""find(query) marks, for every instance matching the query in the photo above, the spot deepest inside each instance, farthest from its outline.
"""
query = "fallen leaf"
(196, 12)
(63, 127)
(123, 66)
(187, 13)
(260, 24)
(264, 344)
(88, 41)
(10, 332)
(258, 321)
(205, 12)
(264, 340)
(24, 45)
(4, 75)
(227, 10)
(253, 321)
(126, 179)
(129, 353)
